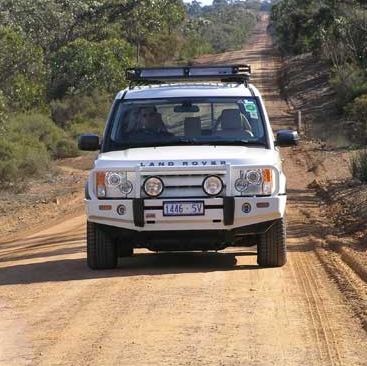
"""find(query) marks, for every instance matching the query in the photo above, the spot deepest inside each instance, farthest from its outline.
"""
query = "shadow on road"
(139, 265)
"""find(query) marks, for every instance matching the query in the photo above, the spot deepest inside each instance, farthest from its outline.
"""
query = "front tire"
(271, 249)
(101, 248)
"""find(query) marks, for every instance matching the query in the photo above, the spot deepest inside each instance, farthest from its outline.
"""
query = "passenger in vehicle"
(232, 125)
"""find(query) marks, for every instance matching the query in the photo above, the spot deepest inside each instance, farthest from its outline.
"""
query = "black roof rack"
(160, 75)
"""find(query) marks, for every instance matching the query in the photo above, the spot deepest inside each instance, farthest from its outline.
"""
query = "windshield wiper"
(226, 142)
(238, 142)
(191, 141)
(130, 144)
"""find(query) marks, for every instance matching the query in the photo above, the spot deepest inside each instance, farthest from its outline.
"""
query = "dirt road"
(181, 309)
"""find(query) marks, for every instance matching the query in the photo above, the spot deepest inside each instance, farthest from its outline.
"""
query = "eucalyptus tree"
(50, 24)
(148, 17)
(22, 72)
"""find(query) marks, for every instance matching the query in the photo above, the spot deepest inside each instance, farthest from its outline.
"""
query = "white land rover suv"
(187, 162)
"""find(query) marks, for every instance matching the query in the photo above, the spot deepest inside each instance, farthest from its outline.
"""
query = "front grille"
(183, 185)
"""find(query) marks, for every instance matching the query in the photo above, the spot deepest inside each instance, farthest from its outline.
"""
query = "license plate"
(183, 208)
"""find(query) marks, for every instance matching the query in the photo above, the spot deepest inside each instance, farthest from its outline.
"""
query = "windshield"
(158, 122)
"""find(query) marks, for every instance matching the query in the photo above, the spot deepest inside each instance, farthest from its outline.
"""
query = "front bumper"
(220, 213)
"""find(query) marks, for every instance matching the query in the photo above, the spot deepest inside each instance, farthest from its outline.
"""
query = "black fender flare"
(86, 191)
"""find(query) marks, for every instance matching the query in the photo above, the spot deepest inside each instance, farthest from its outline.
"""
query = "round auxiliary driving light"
(212, 185)
(254, 177)
(114, 179)
(246, 208)
(241, 185)
(153, 186)
(126, 187)
(121, 210)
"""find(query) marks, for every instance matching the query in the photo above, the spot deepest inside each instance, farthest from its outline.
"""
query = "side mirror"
(287, 138)
(88, 142)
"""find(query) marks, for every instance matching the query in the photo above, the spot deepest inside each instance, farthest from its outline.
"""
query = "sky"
(203, 2)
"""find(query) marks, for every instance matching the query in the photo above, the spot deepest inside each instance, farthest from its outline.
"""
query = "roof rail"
(160, 75)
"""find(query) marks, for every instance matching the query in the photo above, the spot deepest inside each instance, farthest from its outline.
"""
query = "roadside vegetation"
(358, 166)
(224, 26)
(336, 32)
(61, 62)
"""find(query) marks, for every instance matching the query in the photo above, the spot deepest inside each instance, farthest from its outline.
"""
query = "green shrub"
(357, 111)
(358, 108)
(87, 110)
(40, 128)
(358, 165)
(66, 149)
(349, 82)
(29, 143)
(162, 49)
(21, 157)
(79, 128)
(194, 46)
(83, 66)
(34, 160)
(8, 171)
(3, 111)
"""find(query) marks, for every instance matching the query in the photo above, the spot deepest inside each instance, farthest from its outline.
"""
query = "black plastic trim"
(228, 210)
(240, 73)
(138, 212)
(86, 191)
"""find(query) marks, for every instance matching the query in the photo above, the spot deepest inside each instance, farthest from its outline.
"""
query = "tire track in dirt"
(324, 335)
(327, 344)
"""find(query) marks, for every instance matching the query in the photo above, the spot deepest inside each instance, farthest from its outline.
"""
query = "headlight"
(126, 187)
(112, 184)
(114, 179)
(241, 183)
(153, 186)
(255, 182)
(254, 176)
(212, 185)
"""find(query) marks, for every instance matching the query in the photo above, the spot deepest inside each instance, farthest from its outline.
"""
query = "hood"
(188, 156)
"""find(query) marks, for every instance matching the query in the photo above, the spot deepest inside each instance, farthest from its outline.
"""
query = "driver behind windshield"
(149, 122)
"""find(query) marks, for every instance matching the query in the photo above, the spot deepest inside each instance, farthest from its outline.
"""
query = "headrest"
(192, 126)
(231, 119)
(155, 121)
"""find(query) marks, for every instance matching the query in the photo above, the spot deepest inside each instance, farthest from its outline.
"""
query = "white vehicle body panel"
(179, 154)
